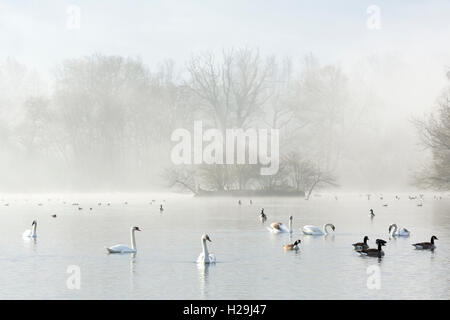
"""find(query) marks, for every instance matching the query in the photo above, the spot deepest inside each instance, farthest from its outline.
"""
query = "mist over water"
(101, 119)
(100, 103)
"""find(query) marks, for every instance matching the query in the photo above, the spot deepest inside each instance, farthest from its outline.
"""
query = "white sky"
(35, 33)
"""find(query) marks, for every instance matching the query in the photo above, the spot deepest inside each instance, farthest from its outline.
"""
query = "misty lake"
(251, 262)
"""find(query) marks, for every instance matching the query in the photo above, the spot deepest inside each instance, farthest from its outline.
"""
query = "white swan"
(315, 230)
(205, 256)
(395, 232)
(121, 248)
(278, 227)
(30, 233)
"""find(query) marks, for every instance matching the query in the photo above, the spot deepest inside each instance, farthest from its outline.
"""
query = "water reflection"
(203, 271)
(132, 262)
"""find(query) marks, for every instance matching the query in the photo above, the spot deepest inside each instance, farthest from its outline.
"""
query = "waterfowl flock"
(205, 257)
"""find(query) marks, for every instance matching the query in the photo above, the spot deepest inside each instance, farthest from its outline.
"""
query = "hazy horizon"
(398, 70)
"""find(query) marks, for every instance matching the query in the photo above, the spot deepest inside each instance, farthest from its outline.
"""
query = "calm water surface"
(251, 261)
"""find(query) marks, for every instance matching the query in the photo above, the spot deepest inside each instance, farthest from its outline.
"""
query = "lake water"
(251, 262)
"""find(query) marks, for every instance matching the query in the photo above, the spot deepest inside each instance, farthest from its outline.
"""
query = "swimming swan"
(278, 227)
(30, 234)
(394, 232)
(121, 248)
(205, 256)
(315, 230)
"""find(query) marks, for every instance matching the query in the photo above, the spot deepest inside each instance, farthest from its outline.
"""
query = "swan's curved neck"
(205, 249)
(394, 229)
(133, 240)
(325, 226)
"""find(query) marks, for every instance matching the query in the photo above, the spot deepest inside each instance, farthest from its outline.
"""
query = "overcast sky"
(35, 32)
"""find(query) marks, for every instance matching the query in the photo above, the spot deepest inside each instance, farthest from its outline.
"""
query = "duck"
(293, 246)
(121, 248)
(371, 252)
(316, 231)
(279, 227)
(426, 245)
(361, 245)
(31, 233)
(402, 232)
(205, 257)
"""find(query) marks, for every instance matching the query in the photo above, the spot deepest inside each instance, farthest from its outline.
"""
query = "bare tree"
(435, 134)
(305, 176)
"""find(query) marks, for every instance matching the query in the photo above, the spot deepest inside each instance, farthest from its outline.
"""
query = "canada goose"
(316, 231)
(121, 248)
(293, 246)
(372, 214)
(205, 256)
(263, 215)
(161, 208)
(374, 252)
(361, 245)
(278, 227)
(426, 245)
(53, 215)
(402, 232)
